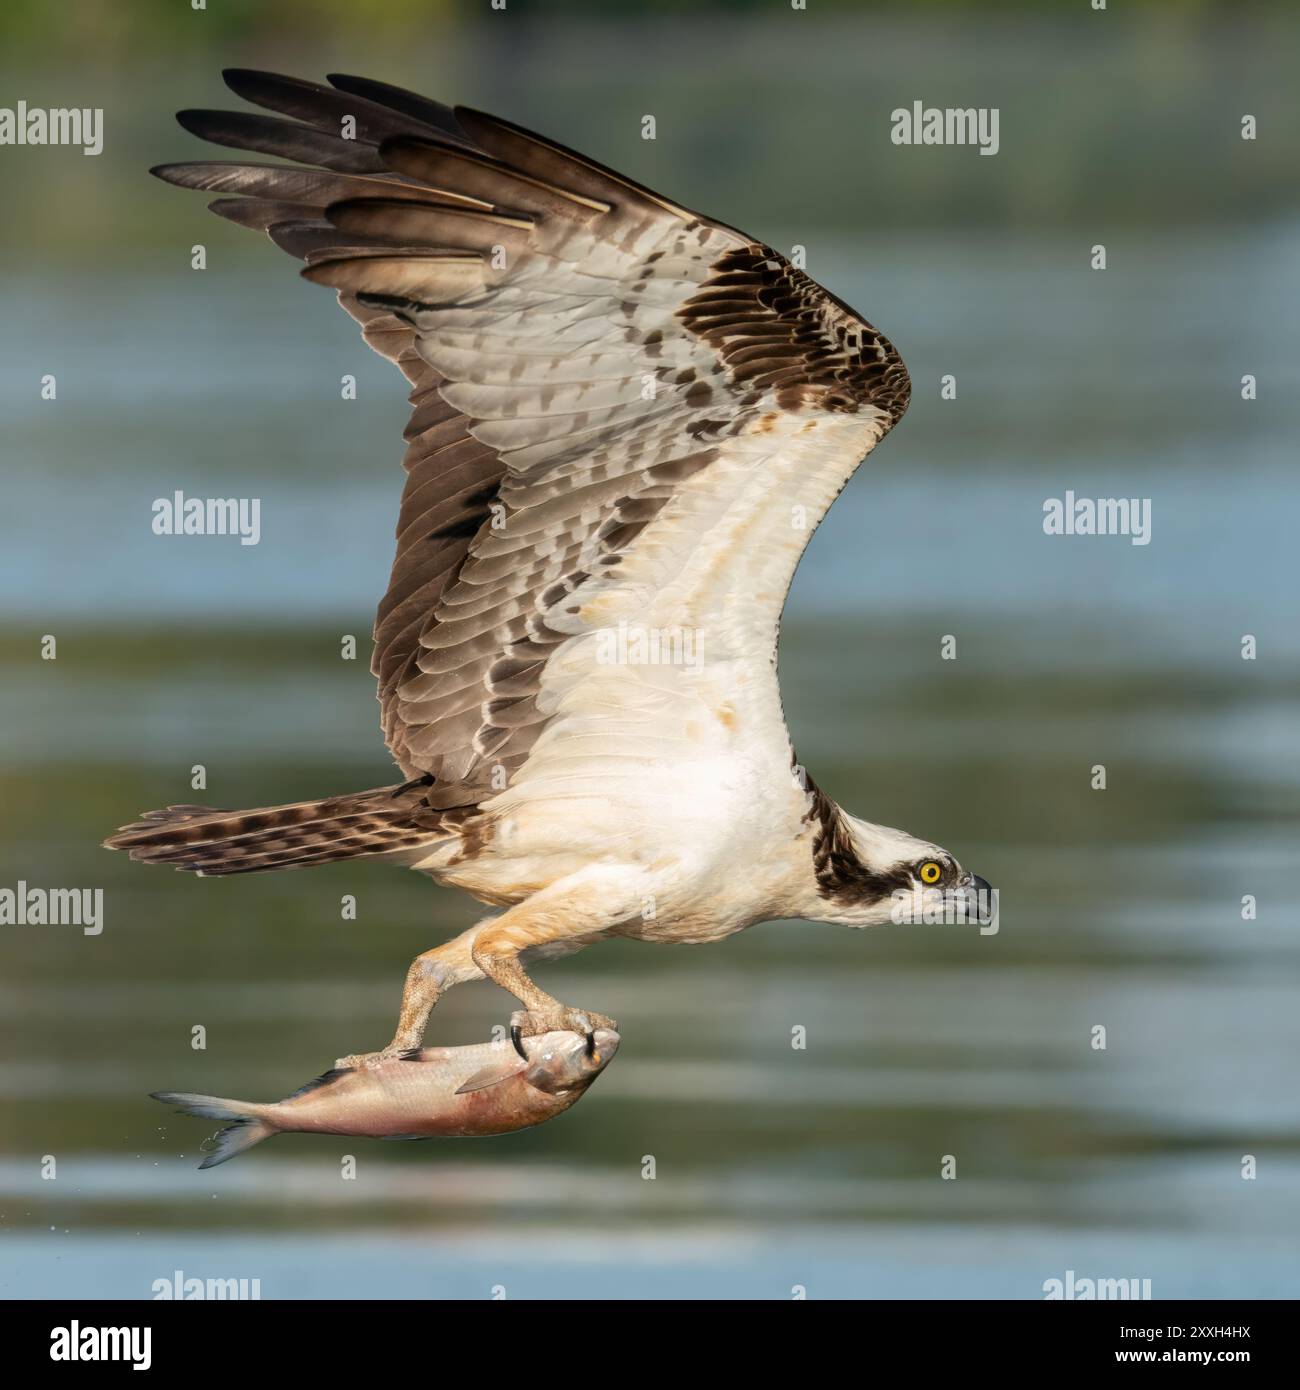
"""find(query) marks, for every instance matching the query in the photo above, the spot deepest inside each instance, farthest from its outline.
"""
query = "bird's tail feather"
(247, 1127)
(205, 840)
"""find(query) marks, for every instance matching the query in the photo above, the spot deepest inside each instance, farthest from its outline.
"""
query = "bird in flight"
(627, 420)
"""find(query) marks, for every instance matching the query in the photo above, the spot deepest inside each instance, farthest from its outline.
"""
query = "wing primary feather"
(423, 109)
(250, 130)
(321, 106)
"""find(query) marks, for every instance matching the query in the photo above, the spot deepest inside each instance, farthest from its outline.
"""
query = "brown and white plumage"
(625, 416)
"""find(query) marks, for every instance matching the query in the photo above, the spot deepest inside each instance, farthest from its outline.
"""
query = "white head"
(860, 870)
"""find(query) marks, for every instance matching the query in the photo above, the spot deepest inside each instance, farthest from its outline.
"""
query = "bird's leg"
(562, 918)
(430, 976)
(496, 952)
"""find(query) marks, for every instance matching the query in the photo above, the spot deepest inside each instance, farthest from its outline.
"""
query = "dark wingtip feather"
(239, 78)
(192, 118)
(260, 213)
(434, 113)
(270, 89)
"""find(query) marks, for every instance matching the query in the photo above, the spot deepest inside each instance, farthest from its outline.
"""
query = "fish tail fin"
(247, 1126)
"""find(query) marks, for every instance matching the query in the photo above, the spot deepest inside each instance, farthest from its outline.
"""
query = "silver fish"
(453, 1092)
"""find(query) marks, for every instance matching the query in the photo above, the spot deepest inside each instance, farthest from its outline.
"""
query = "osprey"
(627, 419)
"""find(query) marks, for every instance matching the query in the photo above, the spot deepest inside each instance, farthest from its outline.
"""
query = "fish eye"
(931, 872)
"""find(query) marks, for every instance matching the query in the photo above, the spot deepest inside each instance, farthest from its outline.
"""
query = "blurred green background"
(774, 1167)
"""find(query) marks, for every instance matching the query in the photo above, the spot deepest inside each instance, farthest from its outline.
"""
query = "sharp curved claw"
(516, 1037)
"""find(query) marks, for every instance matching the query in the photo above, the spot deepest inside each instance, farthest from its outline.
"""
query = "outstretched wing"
(617, 403)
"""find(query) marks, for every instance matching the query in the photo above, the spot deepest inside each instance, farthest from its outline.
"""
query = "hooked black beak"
(974, 899)
(985, 899)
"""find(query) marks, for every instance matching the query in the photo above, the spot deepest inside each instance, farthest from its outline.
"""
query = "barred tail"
(207, 841)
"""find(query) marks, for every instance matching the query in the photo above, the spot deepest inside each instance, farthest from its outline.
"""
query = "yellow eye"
(931, 872)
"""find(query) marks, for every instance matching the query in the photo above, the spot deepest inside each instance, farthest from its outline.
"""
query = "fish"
(429, 1092)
